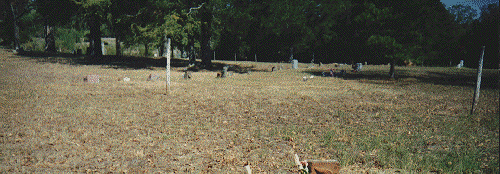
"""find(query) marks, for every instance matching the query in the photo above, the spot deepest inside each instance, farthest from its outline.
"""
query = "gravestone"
(304, 78)
(360, 66)
(91, 79)
(461, 64)
(153, 77)
(224, 71)
(357, 66)
(323, 166)
(187, 75)
(295, 64)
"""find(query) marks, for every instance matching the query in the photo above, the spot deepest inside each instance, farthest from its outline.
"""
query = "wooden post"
(214, 55)
(255, 57)
(169, 52)
(478, 83)
(234, 56)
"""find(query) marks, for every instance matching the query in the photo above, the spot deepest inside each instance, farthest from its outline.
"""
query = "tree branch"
(195, 8)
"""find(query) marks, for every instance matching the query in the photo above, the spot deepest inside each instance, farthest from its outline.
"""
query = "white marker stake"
(249, 171)
(478, 83)
(297, 162)
(168, 66)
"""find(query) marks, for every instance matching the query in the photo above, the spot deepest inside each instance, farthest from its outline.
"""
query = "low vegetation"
(54, 122)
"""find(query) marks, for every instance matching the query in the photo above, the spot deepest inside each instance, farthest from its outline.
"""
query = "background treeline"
(424, 32)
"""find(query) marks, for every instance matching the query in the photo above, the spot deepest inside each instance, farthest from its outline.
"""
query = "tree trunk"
(391, 71)
(16, 27)
(160, 50)
(95, 37)
(118, 47)
(205, 37)
(50, 41)
(190, 52)
(146, 50)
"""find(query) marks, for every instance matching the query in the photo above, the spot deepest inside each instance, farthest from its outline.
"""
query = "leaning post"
(169, 52)
(478, 83)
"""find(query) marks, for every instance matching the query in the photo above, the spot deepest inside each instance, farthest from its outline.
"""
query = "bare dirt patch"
(54, 122)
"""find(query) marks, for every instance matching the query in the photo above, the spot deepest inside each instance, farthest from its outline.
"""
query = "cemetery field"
(52, 121)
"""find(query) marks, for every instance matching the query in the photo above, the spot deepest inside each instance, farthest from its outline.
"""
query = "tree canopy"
(374, 31)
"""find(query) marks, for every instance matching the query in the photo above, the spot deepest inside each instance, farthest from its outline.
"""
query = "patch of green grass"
(449, 149)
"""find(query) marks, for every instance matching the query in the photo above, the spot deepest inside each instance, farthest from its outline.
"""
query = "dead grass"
(53, 122)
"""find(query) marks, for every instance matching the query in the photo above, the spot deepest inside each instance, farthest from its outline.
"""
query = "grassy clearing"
(53, 122)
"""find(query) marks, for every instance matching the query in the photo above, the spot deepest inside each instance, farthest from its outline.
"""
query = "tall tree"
(94, 15)
(119, 15)
(483, 32)
(463, 14)
(18, 8)
(54, 13)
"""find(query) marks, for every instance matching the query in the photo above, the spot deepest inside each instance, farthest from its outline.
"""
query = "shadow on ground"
(489, 79)
(130, 62)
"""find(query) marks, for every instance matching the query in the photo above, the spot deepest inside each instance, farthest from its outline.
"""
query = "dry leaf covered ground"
(51, 121)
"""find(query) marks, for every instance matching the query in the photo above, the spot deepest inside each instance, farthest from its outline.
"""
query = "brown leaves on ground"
(54, 122)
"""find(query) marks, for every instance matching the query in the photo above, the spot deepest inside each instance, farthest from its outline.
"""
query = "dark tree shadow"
(130, 62)
(489, 80)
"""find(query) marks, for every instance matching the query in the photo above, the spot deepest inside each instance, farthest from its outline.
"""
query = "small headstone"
(357, 66)
(91, 79)
(18, 51)
(187, 75)
(461, 64)
(366, 63)
(153, 77)
(224, 71)
(126, 79)
(295, 64)
(323, 166)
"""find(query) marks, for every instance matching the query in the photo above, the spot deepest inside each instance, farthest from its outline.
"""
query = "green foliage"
(387, 42)
(334, 31)
(67, 39)
(411, 151)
